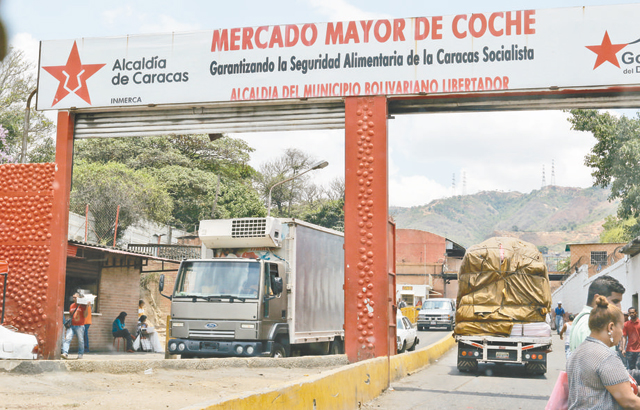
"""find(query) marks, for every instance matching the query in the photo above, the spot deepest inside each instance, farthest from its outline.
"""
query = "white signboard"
(468, 53)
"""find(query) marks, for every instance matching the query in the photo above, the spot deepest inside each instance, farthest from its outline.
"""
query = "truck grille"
(212, 334)
(432, 317)
(248, 228)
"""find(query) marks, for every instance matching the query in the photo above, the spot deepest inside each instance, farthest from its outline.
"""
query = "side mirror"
(161, 283)
(277, 285)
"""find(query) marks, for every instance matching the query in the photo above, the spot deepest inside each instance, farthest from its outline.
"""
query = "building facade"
(426, 266)
(597, 256)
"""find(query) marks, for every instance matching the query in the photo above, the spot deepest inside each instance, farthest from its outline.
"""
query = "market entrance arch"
(350, 75)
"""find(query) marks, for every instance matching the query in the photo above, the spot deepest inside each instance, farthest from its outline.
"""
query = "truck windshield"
(436, 304)
(218, 278)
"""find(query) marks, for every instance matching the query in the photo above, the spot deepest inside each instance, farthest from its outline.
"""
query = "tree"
(617, 230)
(17, 81)
(104, 187)
(189, 166)
(225, 156)
(194, 194)
(283, 196)
(330, 214)
(615, 158)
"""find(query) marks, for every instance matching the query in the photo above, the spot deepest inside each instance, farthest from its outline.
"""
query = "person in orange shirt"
(78, 314)
(87, 323)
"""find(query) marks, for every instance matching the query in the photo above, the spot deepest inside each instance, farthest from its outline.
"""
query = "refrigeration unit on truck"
(264, 287)
(502, 305)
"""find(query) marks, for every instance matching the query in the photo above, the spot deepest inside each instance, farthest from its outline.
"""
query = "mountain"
(552, 216)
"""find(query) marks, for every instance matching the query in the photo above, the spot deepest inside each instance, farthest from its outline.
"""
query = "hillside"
(552, 216)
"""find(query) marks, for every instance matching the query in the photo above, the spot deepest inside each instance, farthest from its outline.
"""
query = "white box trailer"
(265, 287)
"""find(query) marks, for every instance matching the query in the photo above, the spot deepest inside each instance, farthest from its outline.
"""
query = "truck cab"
(245, 296)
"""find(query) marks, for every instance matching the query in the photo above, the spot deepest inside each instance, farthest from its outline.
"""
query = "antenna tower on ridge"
(553, 173)
(453, 185)
(464, 183)
(544, 182)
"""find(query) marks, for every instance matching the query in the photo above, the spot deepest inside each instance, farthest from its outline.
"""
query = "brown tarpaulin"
(501, 281)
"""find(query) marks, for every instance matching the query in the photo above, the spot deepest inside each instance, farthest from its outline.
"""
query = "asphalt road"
(440, 386)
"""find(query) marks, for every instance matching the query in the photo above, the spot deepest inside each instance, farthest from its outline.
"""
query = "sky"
(428, 153)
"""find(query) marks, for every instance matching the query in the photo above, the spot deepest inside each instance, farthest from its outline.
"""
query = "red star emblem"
(606, 51)
(73, 76)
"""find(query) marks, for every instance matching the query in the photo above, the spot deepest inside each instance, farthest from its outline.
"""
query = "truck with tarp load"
(264, 287)
(502, 306)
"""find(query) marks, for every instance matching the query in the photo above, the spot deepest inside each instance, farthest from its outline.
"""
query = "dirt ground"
(150, 389)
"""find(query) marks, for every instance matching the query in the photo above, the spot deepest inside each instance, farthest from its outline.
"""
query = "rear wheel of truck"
(336, 347)
(465, 365)
(278, 351)
(535, 368)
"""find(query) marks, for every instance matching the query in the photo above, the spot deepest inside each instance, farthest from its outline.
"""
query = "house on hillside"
(597, 256)
(426, 266)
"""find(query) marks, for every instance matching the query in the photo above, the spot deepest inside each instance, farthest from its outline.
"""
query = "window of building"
(598, 257)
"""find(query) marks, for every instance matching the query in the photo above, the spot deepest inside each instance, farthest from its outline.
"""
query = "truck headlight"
(239, 349)
(181, 347)
(172, 346)
(250, 350)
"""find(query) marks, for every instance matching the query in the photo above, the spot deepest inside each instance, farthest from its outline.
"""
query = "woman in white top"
(147, 337)
(567, 329)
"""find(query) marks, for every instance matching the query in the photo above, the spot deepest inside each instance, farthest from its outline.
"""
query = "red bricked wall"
(583, 251)
(26, 196)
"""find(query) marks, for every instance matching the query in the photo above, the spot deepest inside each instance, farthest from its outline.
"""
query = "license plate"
(433, 323)
(209, 345)
(502, 355)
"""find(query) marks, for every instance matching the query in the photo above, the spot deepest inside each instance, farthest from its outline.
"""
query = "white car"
(406, 334)
(14, 345)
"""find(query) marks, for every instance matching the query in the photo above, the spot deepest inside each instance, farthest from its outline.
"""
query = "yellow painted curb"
(345, 388)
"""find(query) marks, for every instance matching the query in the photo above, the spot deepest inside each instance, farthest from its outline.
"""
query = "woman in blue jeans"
(118, 330)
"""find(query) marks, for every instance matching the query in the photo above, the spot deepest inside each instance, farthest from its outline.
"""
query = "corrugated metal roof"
(108, 249)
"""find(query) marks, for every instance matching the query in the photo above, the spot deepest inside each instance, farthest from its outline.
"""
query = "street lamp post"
(317, 165)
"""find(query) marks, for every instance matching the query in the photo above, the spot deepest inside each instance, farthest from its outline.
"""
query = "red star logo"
(606, 51)
(73, 76)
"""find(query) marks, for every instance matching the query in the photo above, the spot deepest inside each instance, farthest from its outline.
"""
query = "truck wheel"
(403, 348)
(336, 347)
(413, 347)
(535, 368)
(467, 365)
(278, 351)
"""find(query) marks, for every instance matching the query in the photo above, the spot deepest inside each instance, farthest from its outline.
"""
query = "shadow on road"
(498, 370)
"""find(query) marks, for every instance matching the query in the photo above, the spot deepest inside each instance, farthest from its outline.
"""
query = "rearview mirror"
(161, 283)
(277, 285)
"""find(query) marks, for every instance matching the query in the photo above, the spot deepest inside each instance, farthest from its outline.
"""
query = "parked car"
(406, 334)
(437, 312)
(15, 345)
